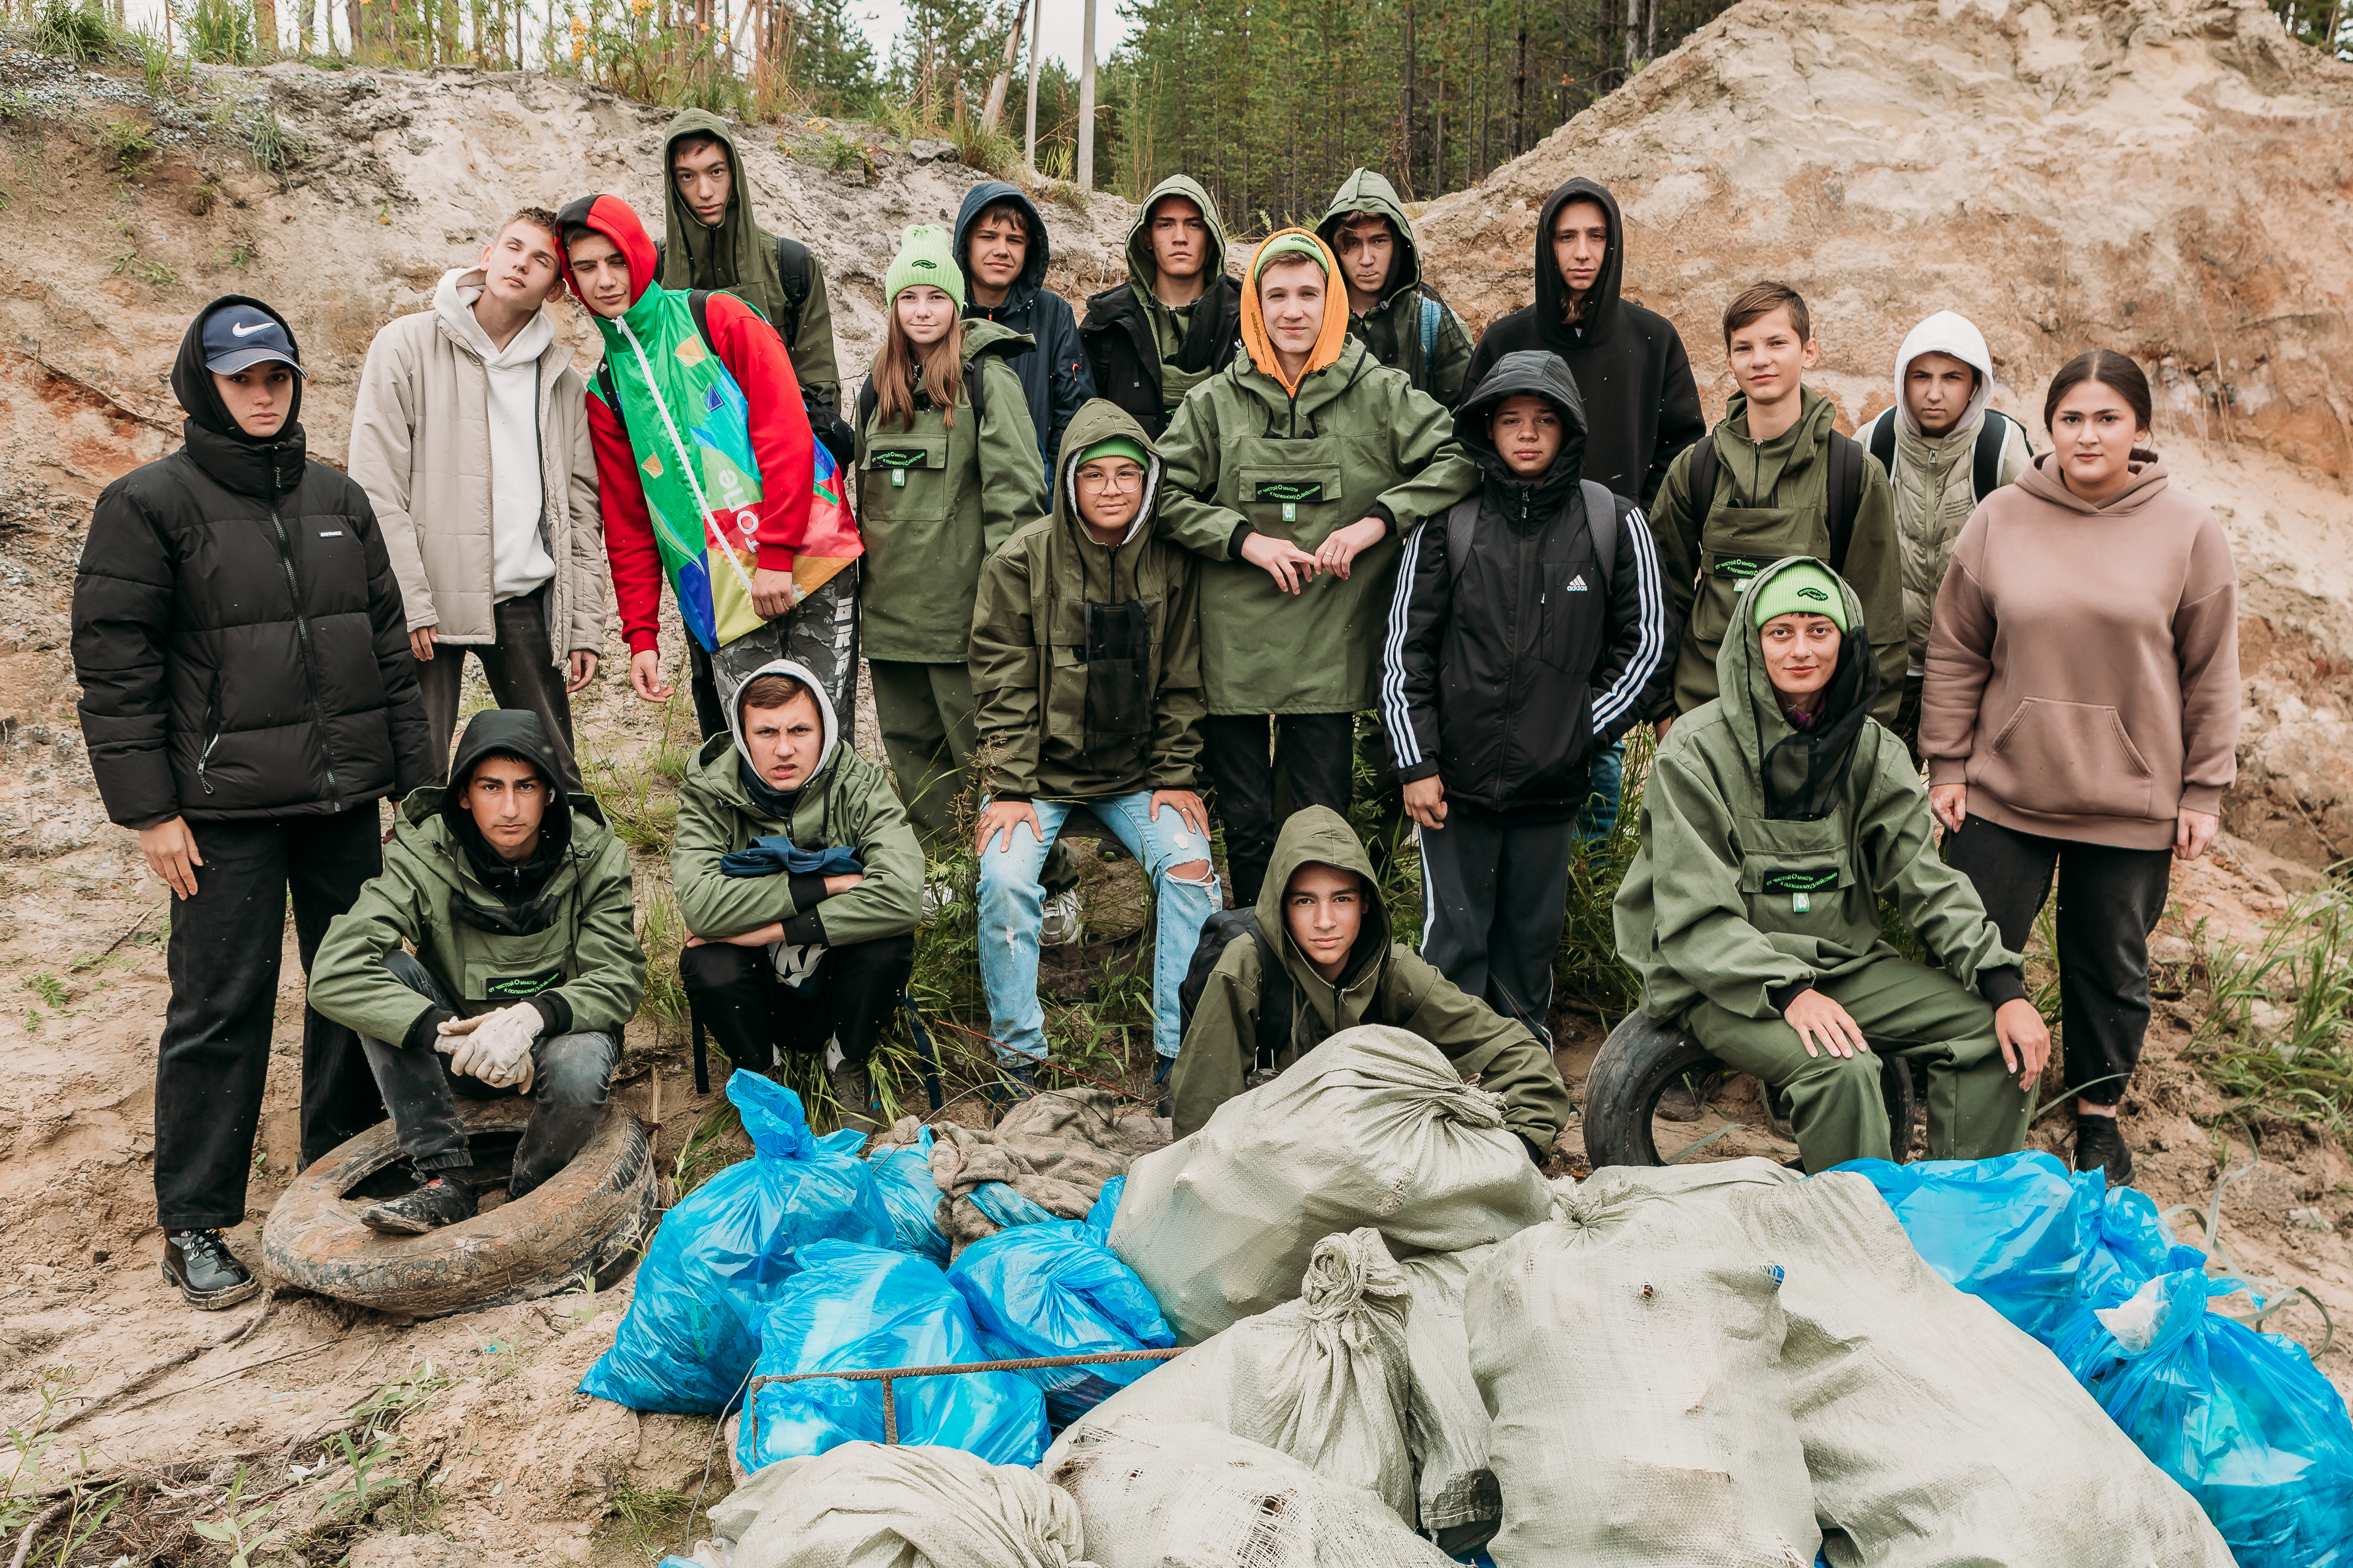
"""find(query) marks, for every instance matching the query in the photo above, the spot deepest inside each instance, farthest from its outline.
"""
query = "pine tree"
(832, 57)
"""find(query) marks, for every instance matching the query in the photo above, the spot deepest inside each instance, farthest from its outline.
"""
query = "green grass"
(2278, 1031)
(48, 988)
(65, 30)
(127, 144)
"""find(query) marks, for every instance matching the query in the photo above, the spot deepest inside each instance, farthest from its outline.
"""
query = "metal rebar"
(888, 1376)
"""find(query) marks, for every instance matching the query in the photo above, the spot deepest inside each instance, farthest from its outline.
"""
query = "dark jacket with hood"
(1086, 658)
(1744, 812)
(1126, 323)
(1628, 361)
(1385, 981)
(1505, 668)
(1055, 375)
(739, 257)
(848, 802)
(238, 629)
(1395, 328)
(558, 930)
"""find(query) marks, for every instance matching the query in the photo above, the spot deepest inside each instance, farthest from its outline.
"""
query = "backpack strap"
(1883, 439)
(698, 305)
(793, 271)
(867, 401)
(1433, 316)
(1985, 464)
(1702, 476)
(1601, 521)
(1275, 1003)
(1845, 497)
(1462, 519)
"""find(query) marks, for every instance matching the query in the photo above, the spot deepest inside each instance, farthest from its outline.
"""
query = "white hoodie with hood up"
(1934, 476)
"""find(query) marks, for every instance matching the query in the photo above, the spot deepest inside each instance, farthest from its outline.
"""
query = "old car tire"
(587, 1222)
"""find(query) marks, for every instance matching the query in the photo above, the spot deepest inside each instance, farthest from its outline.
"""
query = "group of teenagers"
(1208, 554)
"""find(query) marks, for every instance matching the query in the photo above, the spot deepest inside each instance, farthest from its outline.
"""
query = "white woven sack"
(863, 1505)
(1321, 1379)
(1936, 1432)
(1374, 1127)
(1446, 1422)
(1629, 1353)
(1156, 1494)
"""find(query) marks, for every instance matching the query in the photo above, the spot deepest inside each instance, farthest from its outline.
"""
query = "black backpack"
(792, 270)
(1600, 520)
(826, 426)
(1985, 457)
(1846, 489)
(1276, 995)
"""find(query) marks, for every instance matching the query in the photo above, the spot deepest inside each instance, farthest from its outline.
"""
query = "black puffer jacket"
(237, 630)
(1502, 671)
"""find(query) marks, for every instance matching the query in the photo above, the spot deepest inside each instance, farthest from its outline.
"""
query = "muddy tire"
(586, 1223)
(1642, 1059)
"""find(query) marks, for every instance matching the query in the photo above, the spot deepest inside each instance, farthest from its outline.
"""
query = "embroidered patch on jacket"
(1290, 491)
(1741, 568)
(900, 458)
(523, 985)
(690, 350)
(1802, 879)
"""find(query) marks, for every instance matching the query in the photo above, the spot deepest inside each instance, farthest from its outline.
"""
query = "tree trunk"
(995, 107)
(1029, 119)
(1651, 32)
(1633, 36)
(265, 30)
(1519, 88)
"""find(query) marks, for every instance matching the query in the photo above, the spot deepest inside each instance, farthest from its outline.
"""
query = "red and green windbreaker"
(707, 470)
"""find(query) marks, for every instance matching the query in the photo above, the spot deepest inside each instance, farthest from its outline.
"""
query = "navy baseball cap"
(238, 337)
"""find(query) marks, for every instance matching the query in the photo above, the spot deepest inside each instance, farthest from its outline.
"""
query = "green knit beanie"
(1117, 447)
(1804, 587)
(926, 255)
(1287, 245)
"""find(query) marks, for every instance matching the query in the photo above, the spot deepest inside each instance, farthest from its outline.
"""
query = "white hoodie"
(520, 562)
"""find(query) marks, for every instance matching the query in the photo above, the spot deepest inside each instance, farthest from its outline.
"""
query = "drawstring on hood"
(776, 803)
(1804, 770)
(1331, 337)
(524, 907)
(1551, 289)
(265, 467)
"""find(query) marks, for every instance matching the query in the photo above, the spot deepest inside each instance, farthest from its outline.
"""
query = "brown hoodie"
(2084, 667)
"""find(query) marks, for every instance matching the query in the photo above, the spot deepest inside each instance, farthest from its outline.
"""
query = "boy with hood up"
(248, 697)
(1295, 472)
(1322, 921)
(1000, 243)
(1391, 310)
(515, 899)
(1775, 817)
(706, 472)
(1516, 650)
(471, 435)
(1944, 451)
(1177, 319)
(1086, 668)
(801, 882)
(712, 240)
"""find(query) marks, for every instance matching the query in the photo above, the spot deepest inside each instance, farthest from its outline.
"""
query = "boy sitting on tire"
(1775, 818)
(516, 902)
(1319, 960)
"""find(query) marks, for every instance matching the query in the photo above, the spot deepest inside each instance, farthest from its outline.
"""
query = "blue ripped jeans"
(1011, 911)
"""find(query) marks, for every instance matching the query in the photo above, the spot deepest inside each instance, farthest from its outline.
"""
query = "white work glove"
(494, 1047)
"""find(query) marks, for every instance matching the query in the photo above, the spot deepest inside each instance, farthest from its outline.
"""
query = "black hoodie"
(509, 733)
(237, 630)
(1502, 671)
(1628, 361)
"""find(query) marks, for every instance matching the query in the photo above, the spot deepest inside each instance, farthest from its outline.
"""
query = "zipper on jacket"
(302, 639)
(212, 723)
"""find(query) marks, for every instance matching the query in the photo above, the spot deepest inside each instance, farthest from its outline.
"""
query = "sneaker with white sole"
(1065, 921)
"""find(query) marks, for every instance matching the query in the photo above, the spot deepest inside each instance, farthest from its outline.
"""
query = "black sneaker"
(438, 1203)
(2100, 1145)
(206, 1272)
(1163, 1070)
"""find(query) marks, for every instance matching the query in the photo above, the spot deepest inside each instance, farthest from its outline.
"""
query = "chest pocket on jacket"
(1569, 598)
(503, 970)
(1794, 868)
(1299, 502)
(906, 476)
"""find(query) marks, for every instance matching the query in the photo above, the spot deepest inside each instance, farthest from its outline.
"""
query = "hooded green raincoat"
(1146, 355)
(1385, 983)
(1396, 329)
(1053, 722)
(740, 257)
(1771, 502)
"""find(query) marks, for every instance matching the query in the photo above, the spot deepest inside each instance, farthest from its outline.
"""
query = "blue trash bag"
(903, 1177)
(1056, 1289)
(855, 1306)
(2133, 1245)
(2242, 1420)
(2012, 1232)
(1106, 1208)
(719, 1259)
(1008, 1208)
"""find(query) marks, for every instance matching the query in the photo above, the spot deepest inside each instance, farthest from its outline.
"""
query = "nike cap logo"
(248, 331)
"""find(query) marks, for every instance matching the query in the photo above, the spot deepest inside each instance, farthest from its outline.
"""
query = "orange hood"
(1329, 341)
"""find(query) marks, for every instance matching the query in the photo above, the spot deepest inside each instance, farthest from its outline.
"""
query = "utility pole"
(1087, 101)
(1029, 130)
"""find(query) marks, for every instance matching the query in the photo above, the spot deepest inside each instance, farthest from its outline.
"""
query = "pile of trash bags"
(1405, 1347)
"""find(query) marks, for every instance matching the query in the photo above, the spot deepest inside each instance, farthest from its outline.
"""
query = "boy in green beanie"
(1776, 816)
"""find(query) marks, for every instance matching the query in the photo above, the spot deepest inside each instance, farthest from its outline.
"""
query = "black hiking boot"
(2100, 1145)
(206, 1273)
(438, 1203)
(853, 1094)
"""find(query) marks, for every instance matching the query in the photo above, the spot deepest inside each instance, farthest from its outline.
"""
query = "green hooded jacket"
(1147, 356)
(848, 802)
(1055, 723)
(935, 500)
(1393, 329)
(1358, 441)
(740, 257)
(1385, 981)
(1772, 501)
(1724, 901)
(587, 956)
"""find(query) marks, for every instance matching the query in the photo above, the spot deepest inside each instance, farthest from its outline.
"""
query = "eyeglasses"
(1122, 481)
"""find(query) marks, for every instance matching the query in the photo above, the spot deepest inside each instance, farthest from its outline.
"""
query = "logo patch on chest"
(1802, 879)
(1741, 568)
(521, 986)
(1291, 492)
(899, 458)
(1577, 584)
